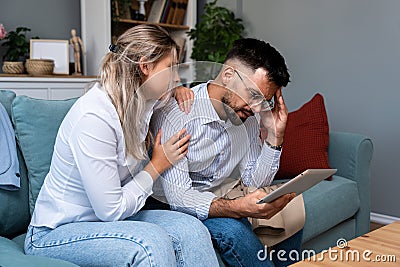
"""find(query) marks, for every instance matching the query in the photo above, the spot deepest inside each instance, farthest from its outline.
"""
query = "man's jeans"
(239, 246)
(149, 238)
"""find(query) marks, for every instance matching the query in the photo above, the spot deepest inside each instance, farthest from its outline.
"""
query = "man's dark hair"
(256, 54)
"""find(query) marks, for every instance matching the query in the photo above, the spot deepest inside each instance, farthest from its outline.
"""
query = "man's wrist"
(275, 147)
(224, 208)
(274, 140)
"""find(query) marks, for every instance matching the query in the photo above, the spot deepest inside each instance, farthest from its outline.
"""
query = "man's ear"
(227, 74)
(144, 67)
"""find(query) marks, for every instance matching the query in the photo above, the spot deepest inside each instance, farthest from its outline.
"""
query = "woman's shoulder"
(96, 101)
(94, 105)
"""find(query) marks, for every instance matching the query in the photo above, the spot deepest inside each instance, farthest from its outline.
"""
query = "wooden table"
(377, 248)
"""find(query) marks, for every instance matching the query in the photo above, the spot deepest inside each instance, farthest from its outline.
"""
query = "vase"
(13, 67)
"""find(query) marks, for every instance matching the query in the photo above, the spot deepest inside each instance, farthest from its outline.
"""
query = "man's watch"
(279, 148)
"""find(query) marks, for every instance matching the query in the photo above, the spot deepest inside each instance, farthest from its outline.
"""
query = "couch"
(339, 208)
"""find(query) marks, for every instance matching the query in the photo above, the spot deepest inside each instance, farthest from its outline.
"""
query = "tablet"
(299, 184)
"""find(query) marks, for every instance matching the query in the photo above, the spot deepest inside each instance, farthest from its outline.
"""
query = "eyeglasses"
(257, 98)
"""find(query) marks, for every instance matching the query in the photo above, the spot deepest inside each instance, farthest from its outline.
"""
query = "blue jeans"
(149, 238)
(239, 246)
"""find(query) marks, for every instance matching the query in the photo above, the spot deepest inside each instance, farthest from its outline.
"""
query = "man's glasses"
(257, 98)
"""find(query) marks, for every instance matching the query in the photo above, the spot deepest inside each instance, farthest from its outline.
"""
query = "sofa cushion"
(329, 238)
(306, 140)
(36, 123)
(14, 210)
(329, 203)
(20, 240)
(12, 254)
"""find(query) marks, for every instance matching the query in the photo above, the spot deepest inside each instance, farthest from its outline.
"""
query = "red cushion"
(305, 144)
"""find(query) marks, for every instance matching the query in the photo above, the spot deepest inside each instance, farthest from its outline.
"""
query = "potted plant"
(18, 48)
(212, 38)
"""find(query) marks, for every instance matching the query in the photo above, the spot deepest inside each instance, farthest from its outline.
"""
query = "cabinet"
(96, 28)
(52, 88)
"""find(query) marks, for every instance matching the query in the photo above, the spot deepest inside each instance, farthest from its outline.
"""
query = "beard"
(232, 111)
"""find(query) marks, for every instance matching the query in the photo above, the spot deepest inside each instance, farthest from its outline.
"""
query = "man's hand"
(249, 207)
(246, 206)
(274, 121)
(184, 96)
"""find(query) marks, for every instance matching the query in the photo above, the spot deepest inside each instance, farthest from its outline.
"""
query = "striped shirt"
(217, 150)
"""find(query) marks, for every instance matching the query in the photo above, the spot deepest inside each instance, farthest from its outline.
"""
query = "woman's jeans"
(239, 246)
(149, 238)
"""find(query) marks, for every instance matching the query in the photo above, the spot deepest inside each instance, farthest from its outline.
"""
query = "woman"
(87, 211)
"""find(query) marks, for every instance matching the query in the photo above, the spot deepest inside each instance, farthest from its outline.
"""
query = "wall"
(47, 19)
(350, 52)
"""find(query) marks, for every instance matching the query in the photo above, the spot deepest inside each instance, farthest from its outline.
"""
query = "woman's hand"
(167, 154)
(184, 96)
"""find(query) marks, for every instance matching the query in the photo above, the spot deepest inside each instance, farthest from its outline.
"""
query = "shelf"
(99, 30)
(47, 76)
(165, 25)
(20, 78)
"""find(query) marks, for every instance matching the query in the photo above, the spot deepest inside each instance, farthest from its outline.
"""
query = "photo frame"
(57, 50)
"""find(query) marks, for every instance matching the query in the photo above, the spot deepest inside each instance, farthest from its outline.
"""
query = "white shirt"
(217, 150)
(89, 177)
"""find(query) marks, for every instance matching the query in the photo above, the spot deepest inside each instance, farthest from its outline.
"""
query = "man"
(225, 142)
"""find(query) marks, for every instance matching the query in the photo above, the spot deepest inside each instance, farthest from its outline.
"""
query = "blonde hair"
(121, 77)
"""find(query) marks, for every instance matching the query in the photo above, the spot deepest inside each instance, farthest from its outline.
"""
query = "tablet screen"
(299, 184)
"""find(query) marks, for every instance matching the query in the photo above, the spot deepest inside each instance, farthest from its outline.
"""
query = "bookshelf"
(98, 30)
(165, 25)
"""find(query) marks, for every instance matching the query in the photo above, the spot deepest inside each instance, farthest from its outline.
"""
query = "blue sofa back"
(14, 205)
(36, 124)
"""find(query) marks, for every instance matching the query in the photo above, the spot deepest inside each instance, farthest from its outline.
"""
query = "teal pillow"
(36, 123)
(14, 209)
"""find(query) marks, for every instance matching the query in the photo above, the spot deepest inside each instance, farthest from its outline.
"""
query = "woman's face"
(161, 78)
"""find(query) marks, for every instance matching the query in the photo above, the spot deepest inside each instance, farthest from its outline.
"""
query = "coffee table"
(377, 248)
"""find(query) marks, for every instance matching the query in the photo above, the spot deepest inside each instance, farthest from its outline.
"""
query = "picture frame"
(57, 50)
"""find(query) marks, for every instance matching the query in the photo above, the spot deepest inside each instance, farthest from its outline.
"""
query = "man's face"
(241, 101)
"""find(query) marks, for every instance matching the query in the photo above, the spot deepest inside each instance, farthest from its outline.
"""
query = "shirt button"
(222, 152)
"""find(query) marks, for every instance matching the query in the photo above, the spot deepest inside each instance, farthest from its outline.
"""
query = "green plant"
(17, 44)
(215, 34)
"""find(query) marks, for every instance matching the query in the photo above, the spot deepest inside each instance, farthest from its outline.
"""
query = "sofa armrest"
(351, 154)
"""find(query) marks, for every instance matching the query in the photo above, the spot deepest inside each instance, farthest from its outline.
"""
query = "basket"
(13, 67)
(39, 66)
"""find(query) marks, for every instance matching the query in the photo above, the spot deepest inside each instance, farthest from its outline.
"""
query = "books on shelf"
(168, 11)
(171, 11)
(181, 42)
(156, 11)
(179, 12)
